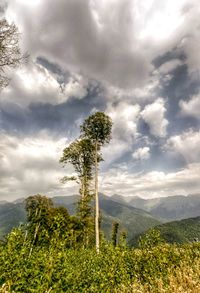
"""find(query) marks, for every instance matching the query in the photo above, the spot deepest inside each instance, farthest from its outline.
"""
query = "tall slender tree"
(97, 128)
(81, 155)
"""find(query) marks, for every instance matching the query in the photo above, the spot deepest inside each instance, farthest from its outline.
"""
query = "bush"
(58, 269)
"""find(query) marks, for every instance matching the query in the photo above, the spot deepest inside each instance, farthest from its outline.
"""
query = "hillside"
(112, 211)
(183, 231)
(131, 219)
(11, 215)
(167, 208)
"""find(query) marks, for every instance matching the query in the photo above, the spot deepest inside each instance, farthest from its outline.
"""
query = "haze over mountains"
(166, 208)
(135, 215)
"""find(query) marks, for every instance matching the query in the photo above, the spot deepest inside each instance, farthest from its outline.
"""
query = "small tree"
(97, 128)
(49, 225)
(10, 55)
(115, 228)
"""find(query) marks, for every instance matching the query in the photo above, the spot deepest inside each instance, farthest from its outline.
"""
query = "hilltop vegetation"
(184, 231)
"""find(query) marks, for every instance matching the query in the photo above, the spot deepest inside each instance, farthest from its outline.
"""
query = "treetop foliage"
(97, 127)
(80, 154)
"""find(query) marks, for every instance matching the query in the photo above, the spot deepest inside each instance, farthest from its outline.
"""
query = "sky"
(136, 60)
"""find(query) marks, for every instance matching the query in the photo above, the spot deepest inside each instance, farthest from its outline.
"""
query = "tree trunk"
(96, 201)
(83, 189)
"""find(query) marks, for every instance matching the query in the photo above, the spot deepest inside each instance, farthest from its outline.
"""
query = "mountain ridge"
(181, 231)
(112, 211)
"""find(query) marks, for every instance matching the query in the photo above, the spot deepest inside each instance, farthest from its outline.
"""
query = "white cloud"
(153, 115)
(152, 184)
(186, 144)
(32, 83)
(191, 107)
(141, 153)
(125, 118)
(113, 151)
(76, 87)
(190, 37)
(31, 165)
(169, 66)
(124, 131)
(113, 41)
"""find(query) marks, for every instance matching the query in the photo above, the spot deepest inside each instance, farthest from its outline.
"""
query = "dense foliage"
(184, 231)
(54, 268)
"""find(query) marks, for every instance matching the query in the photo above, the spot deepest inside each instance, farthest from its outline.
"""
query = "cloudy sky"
(137, 60)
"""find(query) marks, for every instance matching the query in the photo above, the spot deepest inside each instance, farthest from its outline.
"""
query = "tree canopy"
(97, 127)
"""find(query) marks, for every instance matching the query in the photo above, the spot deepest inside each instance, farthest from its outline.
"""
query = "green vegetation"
(156, 267)
(50, 254)
(183, 231)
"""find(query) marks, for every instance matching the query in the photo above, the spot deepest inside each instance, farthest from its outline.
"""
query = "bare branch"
(10, 54)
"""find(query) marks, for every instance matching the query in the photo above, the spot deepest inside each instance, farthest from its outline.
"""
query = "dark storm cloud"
(61, 76)
(180, 88)
(62, 118)
(68, 33)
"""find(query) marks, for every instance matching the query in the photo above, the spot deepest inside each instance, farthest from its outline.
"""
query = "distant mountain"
(131, 219)
(183, 231)
(166, 208)
(112, 211)
(3, 202)
(69, 202)
(11, 215)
